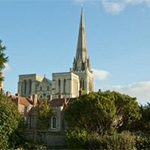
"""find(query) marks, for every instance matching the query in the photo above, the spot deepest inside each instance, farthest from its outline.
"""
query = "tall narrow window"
(64, 88)
(80, 84)
(30, 86)
(54, 123)
(25, 87)
(59, 86)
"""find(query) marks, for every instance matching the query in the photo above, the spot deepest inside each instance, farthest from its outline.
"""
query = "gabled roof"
(21, 100)
(24, 101)
(59, 102)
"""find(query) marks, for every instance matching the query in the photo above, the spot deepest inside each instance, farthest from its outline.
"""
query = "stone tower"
(81, 63)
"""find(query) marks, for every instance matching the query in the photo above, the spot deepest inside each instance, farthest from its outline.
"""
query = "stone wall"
(48, 138)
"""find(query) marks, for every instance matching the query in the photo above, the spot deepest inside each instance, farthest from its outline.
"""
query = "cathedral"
(59, 91)
(63, 84)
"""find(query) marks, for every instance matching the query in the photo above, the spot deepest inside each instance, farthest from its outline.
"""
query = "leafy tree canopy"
(43, 113)
(3, 58)
(145, 120)
(9, 121)
(102, 112)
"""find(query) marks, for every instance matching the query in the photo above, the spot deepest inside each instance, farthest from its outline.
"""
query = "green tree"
(127, 111)
(81, 139)
(10, 120)
(98, 120)
(102, 112)
(43, 113)
(94, 112)
(3, 58)
(145, 120)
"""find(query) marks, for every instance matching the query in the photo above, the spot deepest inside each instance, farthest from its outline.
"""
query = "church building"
(63, 84)
(59, 91)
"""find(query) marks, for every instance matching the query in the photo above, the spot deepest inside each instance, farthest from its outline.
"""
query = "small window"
(40, 88)
(54, 123)
(41, 96)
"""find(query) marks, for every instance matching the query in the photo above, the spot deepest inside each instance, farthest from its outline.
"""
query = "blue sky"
(41, 37)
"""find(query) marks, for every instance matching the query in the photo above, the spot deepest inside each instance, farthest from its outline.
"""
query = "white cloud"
(115, 6)
(141, 90)
(100, 74)
(7, 68)
(112, 7)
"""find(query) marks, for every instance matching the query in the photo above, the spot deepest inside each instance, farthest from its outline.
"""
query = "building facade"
(59, 91)
(63, 84)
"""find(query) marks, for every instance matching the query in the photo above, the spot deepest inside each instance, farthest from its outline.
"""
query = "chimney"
(34, 99)
(30, 97)
(8, 94)
(16, 94)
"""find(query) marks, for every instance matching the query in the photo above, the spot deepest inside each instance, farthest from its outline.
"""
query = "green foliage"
(44, 113)
(145, 120)
(77, 138)
(80, 139)
(100, 120)
(142, 141)
(94, 112)
(9, 121)
(102, 112)
(128, 111)
(3, 58)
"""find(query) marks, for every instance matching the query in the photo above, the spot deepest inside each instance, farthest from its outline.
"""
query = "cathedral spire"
(81, 61)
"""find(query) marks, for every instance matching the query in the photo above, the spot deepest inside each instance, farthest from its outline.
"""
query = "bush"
(83, 140)
(142, 141)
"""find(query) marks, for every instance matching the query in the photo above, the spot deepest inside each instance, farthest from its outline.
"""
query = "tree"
(145, 120)
(80, 139)
(127, 111)
(98, 121)
(3, 58)
(94, 112)
(101, 112)
(10, 120)
(43, 113)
